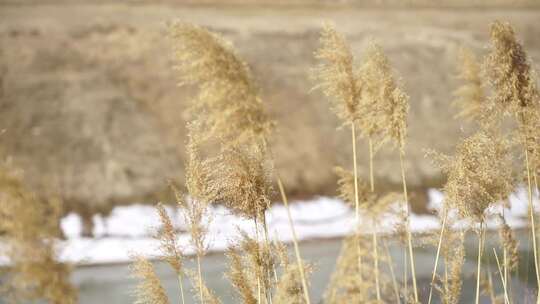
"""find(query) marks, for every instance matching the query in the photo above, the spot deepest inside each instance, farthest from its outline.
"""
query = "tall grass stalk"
(479, 261)
(259, 285)
(503, 279)
(199, 275)
(408, 229)
(434, 273)
(295, 242)
(181, 284)
(356, 198)
(531, 215)
(392, 273)
(374, 233)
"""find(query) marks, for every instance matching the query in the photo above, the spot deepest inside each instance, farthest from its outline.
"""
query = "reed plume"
(384, 105)
(250, 263)
(478, 176)
(242, 178)
(384, 108)
(195, 207)
(228, 108)
(470, 97)
(515, 92)
(510, 245)
(205, 295)
(510, 258)
(169, 247)
(346, 188)
(450, 283)
(30, 227)
(289, 287)
(375, 206)
(239, 278)
(228, 105)
(510, 73)
(346, 284)
(149, 289)
(338, 78)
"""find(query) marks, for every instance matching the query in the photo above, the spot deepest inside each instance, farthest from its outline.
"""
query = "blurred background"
(90, 108)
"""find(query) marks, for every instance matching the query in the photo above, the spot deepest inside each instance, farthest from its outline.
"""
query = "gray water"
(112, 283)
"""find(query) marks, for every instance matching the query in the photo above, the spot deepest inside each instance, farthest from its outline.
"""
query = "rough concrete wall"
(90, 104)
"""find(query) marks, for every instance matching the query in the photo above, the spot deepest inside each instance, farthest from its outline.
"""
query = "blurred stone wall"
(90, 106)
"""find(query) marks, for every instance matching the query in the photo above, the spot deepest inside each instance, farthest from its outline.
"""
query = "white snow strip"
(128, 230)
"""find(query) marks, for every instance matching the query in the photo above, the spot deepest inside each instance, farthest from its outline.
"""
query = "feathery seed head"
(509, 71)
(384, 104)
(375, 205)
(198, 170)
(232, 108)
(30, 228)
(346, 188)
(149, 289)
(251, 262)
(337, 75)
(172, 254)
(208, 296)
(509, 243)
(243, 181)
(195, 215)
(349, 284)
(239, 277)
(470, 97)
(479, 174)
(289, 287)
(453, 252)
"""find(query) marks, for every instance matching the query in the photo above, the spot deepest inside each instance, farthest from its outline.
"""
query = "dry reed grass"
(149, 290)
(30, 227)
(228, 112)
